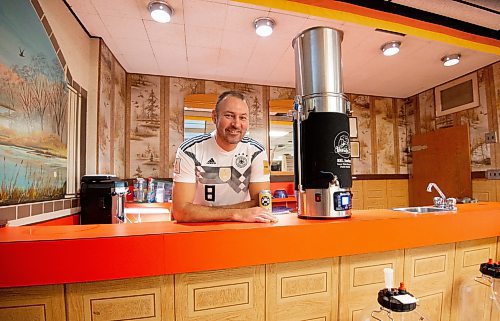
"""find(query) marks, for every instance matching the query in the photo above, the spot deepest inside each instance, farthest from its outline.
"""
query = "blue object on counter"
(280, 193)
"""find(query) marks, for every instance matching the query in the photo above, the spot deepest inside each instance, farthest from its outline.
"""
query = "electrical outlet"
(490, 137)
(493, 174)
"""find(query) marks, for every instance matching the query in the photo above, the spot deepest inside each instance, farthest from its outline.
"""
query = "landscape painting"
(33, 104)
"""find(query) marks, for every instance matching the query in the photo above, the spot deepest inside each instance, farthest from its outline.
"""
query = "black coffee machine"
(102, 199)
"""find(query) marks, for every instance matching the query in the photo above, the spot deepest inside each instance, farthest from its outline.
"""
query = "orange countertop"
(35, 255)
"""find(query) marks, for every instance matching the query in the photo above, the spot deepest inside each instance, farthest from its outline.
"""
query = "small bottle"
(151, 190)
(140, 190)
(160, 192)
(136, 188)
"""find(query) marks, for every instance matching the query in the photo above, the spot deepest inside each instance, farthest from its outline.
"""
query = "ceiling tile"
(142, 64)
(140, 47)
(170, 33)
(94, 25)
(203, 37)
(125, 27)
(241, 19)
(117, 8)
(237, 40)
(205, 14)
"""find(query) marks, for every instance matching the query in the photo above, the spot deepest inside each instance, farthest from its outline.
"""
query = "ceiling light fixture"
(390, 48)
(160, 11)
(264, 26)
(451, 60)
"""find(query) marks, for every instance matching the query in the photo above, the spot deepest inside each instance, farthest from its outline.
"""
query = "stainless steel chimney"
(321, 126)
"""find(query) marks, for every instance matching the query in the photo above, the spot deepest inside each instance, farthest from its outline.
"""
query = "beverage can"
(266, 200)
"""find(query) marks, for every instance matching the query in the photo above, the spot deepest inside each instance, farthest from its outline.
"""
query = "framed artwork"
(353, 127)
(457, 95)
(354, 149)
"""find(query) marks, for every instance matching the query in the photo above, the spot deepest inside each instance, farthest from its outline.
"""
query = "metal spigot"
(442, 202)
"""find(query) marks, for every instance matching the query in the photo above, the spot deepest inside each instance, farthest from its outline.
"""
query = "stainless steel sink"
(421, 209)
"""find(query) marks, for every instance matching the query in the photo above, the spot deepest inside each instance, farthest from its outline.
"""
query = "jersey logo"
(177, 166)
(241, 160)
(225, 173)
(211, 161)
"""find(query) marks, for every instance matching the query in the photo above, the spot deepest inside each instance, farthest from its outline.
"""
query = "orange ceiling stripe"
(342, 11)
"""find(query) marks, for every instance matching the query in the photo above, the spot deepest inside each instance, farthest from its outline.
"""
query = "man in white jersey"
(218, 176)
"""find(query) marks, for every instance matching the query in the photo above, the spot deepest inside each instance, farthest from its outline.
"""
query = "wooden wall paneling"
(498, 190)
(145, 126)
(478, 120)
(146, 299)
(128, 106)
(397, 193)
(375, 194)
(231, 294)
(164, 125)
(360, 106)
(385, 119)
(470, 299)
(304, 290)
(428, 275)
(373, 130)
(361, 277)
(494, 110)
(40, 303)
(484, 190)
(119, 108)
(104, 116)
(426, 112)
(357, 195)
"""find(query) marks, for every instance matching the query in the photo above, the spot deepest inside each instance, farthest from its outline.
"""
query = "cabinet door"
(428, 275)
(42, 303)
(145, 299)
(357, 195)
(374, 194)
(471, 299)
(231, 294)
(361, 277)
(305, 290)
(397, 193)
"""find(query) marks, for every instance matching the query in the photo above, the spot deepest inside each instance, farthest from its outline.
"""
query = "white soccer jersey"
(221, 177)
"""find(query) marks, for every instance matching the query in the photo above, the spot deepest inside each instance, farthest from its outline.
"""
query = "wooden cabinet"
(361, 277)
(471, 299)
(357, 195)
(305, 290)
(428, 275)
(40, 303)
(146, 299)
(486, 190)
(233, 294)
(397, 193)
(375, 194)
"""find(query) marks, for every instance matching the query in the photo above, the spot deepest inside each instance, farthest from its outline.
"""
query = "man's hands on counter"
(254, 214)
(185, 211)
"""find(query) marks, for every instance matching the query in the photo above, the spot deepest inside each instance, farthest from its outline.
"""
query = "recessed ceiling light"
(390, 48)
(160, 11)
(264, 26)
(451, 60)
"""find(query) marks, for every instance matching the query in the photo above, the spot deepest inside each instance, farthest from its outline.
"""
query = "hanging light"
(451, 60)
(160, 11)
(264, 26)
(390, 48)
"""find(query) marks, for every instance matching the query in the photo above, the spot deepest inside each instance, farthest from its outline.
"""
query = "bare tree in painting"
(57, 102)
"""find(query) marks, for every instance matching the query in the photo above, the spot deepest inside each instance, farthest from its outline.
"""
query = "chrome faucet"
(442, 202)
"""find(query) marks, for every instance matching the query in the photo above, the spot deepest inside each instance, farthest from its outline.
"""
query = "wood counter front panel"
(428, 275)
(234, 294)
(304, 290)
(361, 277)
(469, 255)
(145, 299)
(40, 303)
